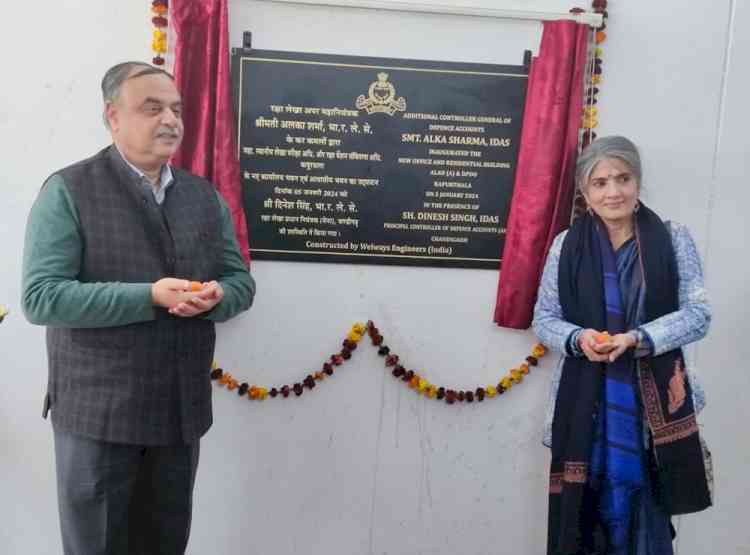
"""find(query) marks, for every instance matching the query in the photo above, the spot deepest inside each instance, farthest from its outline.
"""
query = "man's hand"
(170, 292)
(201, 301)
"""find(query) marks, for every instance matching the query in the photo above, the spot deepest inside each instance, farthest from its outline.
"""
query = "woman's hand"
(619, 344)
(602, 347)
(595, 345)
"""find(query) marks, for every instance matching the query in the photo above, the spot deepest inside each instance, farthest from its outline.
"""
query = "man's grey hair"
(118, 74)
(606, 148)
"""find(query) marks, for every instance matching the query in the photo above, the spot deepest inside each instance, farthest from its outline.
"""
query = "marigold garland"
(159, 37)
(392, 361)
(590, 114)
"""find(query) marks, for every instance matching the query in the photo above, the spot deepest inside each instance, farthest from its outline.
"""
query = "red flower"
(159, 21)
(297, 389)
(158, 61)
(391, 360)
(285, 391)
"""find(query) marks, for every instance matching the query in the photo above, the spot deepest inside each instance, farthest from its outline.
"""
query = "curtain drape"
(544, 183)
(202, 72)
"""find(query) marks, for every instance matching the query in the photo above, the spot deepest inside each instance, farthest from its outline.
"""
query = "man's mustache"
(172, 133)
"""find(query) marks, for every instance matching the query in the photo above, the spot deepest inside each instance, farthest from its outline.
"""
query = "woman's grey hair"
(118, 74)
(607, 147)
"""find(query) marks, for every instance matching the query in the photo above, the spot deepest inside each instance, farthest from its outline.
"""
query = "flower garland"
(590, 115)
(590, 119)
(159, 40)
(414, 380)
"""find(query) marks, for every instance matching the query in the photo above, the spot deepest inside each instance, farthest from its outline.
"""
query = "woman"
(621, 294)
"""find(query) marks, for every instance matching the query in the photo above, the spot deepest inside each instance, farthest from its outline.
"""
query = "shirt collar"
(166, 178)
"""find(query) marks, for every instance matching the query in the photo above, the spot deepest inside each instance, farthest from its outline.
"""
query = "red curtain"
(544, 184)
(202, 71)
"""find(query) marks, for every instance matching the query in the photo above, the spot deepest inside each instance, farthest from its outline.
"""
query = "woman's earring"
(589, 210)
(637, 207)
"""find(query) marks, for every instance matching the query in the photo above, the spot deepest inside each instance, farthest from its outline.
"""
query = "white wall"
(361, 465)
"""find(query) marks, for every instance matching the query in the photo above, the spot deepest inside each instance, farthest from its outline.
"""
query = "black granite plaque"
(373, 160)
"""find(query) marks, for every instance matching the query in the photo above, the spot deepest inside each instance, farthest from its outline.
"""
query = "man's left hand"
(208, 297)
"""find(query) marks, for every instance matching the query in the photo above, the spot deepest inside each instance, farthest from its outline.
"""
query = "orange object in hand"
(196, 286)
(602, 337)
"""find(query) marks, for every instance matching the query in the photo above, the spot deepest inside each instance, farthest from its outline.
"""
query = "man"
(129, 262)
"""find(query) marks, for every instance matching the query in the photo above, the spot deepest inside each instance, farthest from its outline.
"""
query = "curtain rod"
(592, 19)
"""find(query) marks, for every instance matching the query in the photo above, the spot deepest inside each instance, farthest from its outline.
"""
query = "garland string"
(392, 361)
(159, 36)
(592, 79)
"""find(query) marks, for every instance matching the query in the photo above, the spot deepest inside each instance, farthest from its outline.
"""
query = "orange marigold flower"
(196, 286)
(539, 350)
(602, 337)
(159, 10)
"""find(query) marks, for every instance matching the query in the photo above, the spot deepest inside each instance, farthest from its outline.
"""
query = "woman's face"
(612, 191)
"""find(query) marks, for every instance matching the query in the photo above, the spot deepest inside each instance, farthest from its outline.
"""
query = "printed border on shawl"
(663, 432)
(673, 431)
(576, 472)
(650, 395)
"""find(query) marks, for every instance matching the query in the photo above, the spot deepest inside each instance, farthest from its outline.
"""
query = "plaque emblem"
(381, 98)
